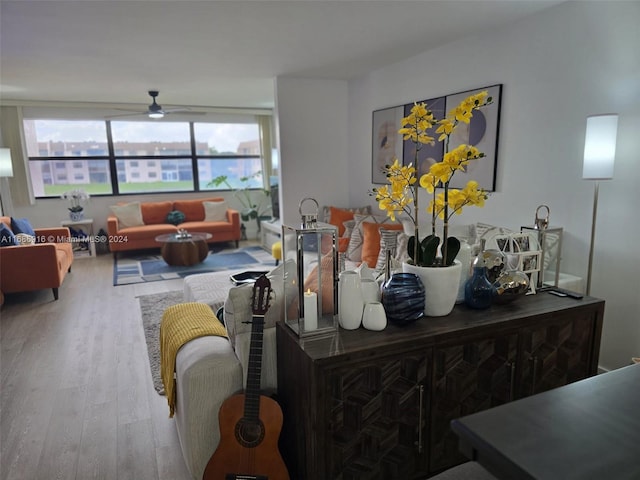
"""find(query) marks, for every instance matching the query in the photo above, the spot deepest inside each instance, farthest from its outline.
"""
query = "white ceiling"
(218, 53)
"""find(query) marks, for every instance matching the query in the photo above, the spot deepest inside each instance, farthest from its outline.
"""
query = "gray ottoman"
(209, 288)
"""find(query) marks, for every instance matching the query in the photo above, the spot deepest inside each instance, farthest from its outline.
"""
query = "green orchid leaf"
(453, 247)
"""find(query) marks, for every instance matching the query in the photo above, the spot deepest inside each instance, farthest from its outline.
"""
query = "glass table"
(180, 251)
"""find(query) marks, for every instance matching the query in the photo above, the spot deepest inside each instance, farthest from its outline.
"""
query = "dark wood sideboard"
(378, 405)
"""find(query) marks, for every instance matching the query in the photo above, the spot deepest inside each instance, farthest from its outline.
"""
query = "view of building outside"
(147, 156)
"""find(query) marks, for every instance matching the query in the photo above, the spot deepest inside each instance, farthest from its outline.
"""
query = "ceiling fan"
(155, 110)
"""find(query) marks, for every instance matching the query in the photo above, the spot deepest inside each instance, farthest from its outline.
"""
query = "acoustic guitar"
(250, 423)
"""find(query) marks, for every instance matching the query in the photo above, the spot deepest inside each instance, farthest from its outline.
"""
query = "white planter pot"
(440, 287)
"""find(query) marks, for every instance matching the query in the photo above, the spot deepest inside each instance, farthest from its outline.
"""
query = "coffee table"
(178, 251)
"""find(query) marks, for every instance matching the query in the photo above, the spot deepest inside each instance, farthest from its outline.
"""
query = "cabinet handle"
(512, 379)
(534, 373)
(420, 426)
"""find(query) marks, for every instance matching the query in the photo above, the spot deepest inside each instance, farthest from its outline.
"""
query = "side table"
(84, 224)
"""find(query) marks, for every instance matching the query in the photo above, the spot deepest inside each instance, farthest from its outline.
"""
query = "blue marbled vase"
(403, 298)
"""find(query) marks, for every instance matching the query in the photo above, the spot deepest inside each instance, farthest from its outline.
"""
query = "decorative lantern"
(550, 241)
(311, 294)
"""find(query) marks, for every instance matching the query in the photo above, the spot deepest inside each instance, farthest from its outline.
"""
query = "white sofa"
(211, 369)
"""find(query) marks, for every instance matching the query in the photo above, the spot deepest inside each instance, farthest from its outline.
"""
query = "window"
(54, 148)
(123, 157)
(232, 150)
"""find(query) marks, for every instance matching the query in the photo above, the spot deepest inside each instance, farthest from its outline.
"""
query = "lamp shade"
(600, 147)
(6, 167)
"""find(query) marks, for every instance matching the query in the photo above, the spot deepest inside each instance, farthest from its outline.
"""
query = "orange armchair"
(41, 265)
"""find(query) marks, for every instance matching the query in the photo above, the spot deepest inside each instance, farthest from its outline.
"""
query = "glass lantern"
(311, 294)
(550, 240)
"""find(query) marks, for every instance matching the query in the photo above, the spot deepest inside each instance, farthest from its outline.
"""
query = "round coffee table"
(178, 251)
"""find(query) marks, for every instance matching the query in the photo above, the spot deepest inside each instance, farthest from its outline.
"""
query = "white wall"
(557, 67)
(311, 116)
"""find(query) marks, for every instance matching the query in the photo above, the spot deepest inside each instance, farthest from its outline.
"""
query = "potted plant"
(251, 209)
(401, 196)
(76, 200)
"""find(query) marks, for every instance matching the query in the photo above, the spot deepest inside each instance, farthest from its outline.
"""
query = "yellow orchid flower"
(400, 195)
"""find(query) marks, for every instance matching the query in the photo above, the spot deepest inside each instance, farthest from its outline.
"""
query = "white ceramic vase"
(350, 300)
(440, 287)
(370, 290)
(374, 316)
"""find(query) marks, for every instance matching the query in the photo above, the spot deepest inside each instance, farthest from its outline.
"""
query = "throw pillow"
(176, 217)
(388, 241)
(348, 228)
(215, 211)
(400, 254)
(337, 217)
(354, 252)
(128, 215)
(25, 239)
(22, 225)
(326, 212)
(311, 282)
(371, 240)
(7, 238)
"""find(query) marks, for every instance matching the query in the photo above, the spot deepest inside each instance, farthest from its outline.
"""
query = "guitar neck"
(254, 370)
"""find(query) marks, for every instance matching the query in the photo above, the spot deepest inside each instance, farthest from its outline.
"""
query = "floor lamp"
(599, 155)
(6, 170)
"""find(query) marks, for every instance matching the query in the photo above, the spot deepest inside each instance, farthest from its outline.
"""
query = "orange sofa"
(41, 265)
(154, 216)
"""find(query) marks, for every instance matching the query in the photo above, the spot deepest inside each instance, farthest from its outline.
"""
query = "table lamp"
(599, 156)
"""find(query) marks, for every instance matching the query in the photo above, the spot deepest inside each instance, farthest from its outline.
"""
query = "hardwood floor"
(77, 400)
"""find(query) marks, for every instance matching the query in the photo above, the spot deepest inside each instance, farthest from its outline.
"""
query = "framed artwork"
(428, 154)
(386, 141)
(482, 132)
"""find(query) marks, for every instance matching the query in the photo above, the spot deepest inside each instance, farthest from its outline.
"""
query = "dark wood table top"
(541, 306)
(586, 430)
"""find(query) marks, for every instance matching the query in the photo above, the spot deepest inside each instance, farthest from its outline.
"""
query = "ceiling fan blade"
(183, 110)
(134, 114)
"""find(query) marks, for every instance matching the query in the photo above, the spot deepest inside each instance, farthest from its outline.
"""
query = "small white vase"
(350, 300)
(370, 290)
(440, 287)
(374, 316)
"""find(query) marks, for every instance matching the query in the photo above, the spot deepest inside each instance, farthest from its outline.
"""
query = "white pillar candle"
(310, 310)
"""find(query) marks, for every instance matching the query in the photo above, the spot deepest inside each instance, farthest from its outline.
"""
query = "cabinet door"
(556, 353)
(467, 378)
(376, 418)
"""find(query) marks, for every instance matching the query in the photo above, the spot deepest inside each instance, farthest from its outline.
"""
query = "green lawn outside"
(105, 189)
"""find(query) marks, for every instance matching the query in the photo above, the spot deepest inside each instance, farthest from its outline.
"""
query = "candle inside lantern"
(310, 310)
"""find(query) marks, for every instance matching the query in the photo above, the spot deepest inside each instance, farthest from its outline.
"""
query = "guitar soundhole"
(249, 433)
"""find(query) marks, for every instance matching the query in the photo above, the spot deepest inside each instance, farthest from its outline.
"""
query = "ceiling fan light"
(158, 114)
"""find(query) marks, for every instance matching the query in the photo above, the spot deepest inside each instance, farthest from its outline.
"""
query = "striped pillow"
(395, 241)
(354, 252)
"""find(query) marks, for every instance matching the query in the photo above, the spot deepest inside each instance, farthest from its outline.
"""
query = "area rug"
(140, 268)
(152, 307)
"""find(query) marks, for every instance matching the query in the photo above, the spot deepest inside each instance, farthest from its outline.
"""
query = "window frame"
(112, 160)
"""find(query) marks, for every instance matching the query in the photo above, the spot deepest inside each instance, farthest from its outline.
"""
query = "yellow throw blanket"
(180, 324)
